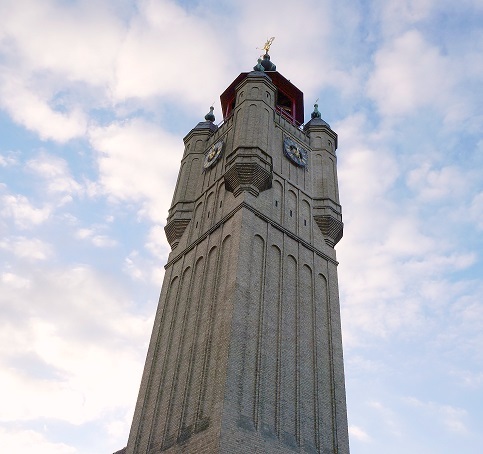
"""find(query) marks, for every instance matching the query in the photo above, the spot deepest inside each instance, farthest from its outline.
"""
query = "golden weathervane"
(267, 45)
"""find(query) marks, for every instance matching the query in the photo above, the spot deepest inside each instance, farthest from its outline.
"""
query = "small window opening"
(208, 214)
(290, 213)
(305, 221)
(284, 103)
(276, 203)
(196, 226)
(221, 202)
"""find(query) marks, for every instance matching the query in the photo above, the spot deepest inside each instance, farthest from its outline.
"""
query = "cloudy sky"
(95, 98)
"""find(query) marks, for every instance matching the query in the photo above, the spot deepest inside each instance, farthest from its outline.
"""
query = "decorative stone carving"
(248, 170)
(331, 228)
(174, 229)
(328, 218)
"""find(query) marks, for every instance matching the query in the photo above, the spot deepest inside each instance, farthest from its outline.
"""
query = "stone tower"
(246, 352)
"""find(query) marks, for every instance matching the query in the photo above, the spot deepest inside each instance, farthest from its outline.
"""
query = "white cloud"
(156, 57)
(56, 56)
(470, 316)
(132, 268)
(359, 433)
(23, 441)
(401, 283)
(24, 214)
(469, 378)
(28, 108)
(103, 241)
(404, 237)
(476, 210)
(368, 169)
(27, 248)
(77, 41)
(140, 268)
(394, 266)
(409, 74)
(364, 365)
(84, 233)
(311, 50)
(435, 184)
(399, 15)
(98, 240)
(55, 172)
(453, 418)
(138, 162)
(59, 350)
(388, 417)
(14, 280)
(10, 159)
(157, 243)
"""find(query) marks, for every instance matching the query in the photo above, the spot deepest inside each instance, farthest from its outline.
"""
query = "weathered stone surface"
(328, 217)
(174, 230)
(331, 227)
(246, 349)
(247, 176)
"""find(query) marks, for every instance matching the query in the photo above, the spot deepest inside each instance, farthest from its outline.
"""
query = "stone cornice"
(261, 216)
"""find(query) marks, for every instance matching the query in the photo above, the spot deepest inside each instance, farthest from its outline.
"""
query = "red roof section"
(282, 84)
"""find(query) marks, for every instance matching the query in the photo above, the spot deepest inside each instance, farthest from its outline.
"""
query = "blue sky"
(95, 98)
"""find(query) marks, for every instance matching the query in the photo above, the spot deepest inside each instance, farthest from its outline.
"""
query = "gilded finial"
(264, 60)
(267, 45)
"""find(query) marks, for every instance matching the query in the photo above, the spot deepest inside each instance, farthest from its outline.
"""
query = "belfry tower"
(246, 351)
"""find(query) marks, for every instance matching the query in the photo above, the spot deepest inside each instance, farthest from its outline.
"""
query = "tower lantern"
(246, 349)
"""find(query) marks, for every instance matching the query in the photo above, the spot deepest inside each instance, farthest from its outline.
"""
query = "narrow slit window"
(290, 213)
(305, 221)
(276, 203)
(221, 202)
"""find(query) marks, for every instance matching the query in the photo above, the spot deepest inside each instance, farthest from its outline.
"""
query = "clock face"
(213, 154)
(295, 152)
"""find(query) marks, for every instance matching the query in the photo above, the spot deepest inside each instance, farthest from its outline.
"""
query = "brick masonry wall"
(246, 351)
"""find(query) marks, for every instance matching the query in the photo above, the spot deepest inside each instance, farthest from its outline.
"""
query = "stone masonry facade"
(246, 350)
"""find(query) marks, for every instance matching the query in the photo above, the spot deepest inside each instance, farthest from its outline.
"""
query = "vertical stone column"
(249, 165)
(326, 208)
(182, 206)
